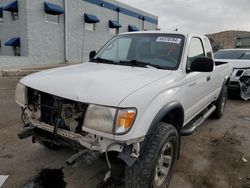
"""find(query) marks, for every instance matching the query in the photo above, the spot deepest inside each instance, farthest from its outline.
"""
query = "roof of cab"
(165, 32)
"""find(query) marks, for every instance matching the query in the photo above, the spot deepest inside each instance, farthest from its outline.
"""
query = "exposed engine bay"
(59, 112)
(241, 78)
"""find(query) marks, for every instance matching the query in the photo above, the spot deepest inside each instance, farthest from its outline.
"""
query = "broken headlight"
(100, 118)
(109, 120)
(21, 94)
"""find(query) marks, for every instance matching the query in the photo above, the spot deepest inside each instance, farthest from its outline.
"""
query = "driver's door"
(196, 82)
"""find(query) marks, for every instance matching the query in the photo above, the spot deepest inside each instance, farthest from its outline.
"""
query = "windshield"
(233, 54)
(155, 50)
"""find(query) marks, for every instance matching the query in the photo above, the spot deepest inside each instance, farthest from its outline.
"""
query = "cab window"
(195, 50)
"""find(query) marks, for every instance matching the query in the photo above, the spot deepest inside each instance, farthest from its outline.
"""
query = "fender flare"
(160, 115)
(163, 112)
(226, 81)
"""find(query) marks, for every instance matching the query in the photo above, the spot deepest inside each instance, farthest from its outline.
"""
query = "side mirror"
(92, 54)
(202, 64)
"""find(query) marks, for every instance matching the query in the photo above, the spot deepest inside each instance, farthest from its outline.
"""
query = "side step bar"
(189, 129)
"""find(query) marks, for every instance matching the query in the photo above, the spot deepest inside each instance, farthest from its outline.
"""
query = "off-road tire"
(235, 95)
(142, 173)
(220, 103)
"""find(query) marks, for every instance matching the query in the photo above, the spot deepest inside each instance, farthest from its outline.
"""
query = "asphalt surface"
(210, 158)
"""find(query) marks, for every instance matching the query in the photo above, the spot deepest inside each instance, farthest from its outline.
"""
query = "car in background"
(239, 59)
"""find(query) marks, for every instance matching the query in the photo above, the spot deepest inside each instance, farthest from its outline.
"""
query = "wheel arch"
(172, 113)
(226, 81)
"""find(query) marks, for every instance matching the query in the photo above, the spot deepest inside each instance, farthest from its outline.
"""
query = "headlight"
(109, 120)
(21, 94)
(100, 118)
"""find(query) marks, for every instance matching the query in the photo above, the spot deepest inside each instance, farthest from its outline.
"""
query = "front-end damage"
(240, 82)
(59, 121)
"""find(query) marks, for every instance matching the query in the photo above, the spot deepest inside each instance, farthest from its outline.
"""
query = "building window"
(17, 51)
(1, 15)
(52, 12)
(14, 15)
(114, 27)
(52, 18)
(90, 26)
(114, 31)
(13, 9)
(15, 43)
(132, 28)
(90, 22)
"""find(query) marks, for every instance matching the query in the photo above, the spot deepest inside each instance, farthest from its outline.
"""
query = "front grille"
(48, 110)
(59, 112)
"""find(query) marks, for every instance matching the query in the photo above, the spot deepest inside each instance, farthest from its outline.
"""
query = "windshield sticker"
(169, 40)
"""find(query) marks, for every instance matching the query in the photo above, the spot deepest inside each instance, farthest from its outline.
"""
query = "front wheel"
(154, 168)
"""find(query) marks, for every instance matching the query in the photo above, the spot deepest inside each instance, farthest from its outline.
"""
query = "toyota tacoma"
(136, 97)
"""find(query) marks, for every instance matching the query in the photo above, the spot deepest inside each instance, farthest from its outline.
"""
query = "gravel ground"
(210, 158)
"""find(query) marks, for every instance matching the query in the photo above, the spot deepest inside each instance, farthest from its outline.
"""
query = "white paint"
(3, 178)
(94, 83)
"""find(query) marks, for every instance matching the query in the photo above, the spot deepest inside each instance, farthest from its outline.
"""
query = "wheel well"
(227, 82)
(175, 117)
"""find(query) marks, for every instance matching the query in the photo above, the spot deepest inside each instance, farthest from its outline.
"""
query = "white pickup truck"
(136, 96)
(239, 59)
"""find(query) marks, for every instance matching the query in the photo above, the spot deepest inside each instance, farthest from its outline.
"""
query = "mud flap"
(125, 155)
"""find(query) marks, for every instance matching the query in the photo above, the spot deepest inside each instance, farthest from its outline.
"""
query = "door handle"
(208, 78)
(192, 84)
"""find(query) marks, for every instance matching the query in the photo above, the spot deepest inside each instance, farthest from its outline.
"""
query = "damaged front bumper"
(128, 151)
(240, 82)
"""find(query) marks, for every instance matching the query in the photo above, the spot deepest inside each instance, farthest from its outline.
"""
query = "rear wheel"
(220, 103)
(234, 94)
(155, 165)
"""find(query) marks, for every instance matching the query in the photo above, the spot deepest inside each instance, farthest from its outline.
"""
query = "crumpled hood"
(236, 63)
(94, 83)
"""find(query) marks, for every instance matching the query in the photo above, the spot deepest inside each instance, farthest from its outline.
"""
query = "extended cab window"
(208, 48)
(195, 50)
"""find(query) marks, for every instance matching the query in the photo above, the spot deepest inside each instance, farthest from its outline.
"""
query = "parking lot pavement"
(210, 158)
(9, 109)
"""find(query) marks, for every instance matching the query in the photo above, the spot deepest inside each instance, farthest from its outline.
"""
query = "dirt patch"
(223, 158)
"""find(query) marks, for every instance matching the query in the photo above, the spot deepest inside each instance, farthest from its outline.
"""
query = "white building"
(55, 31)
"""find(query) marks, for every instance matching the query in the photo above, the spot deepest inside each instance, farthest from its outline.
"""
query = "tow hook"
(27, 131)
